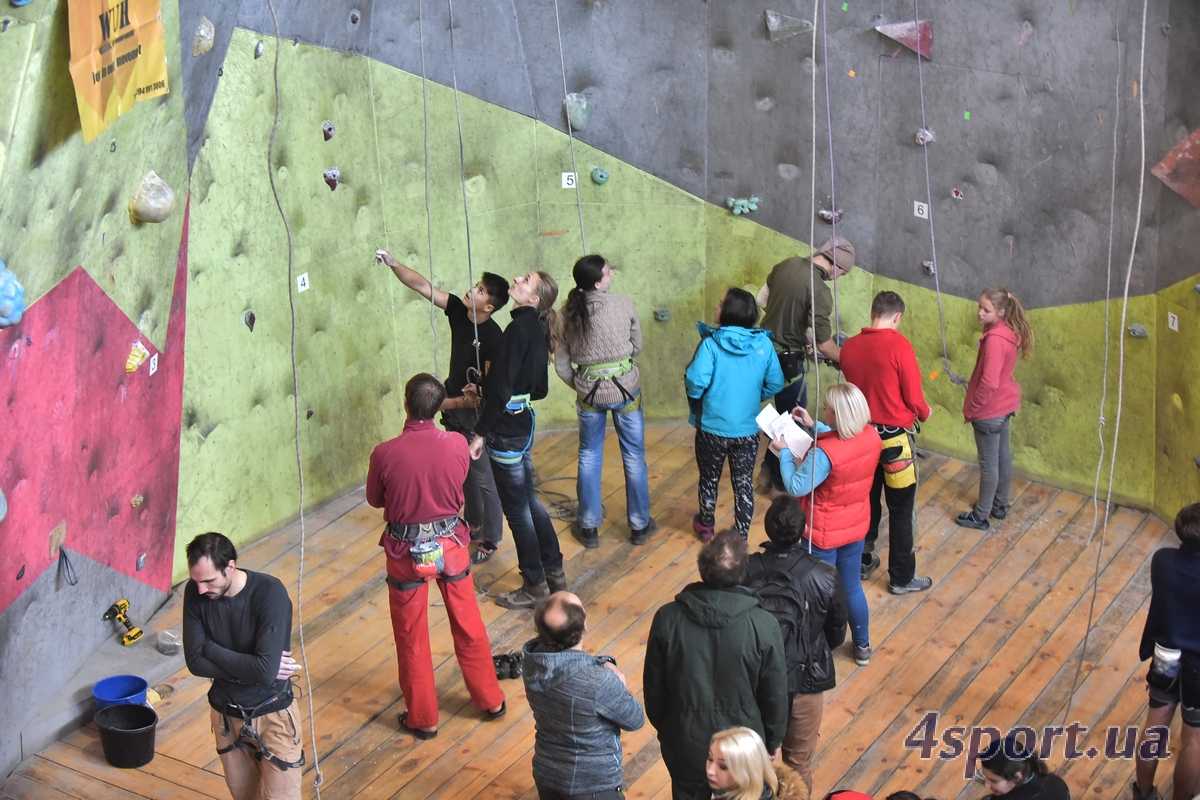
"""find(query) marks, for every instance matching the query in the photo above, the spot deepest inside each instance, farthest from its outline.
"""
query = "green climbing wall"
(64, 203)
(360, 333)
(1177, 470)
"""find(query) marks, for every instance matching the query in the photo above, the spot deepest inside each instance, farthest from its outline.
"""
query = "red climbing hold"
(1180, 169)
(916, 36)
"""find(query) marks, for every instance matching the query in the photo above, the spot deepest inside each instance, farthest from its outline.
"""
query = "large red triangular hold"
(1180, 169)
(916, 36)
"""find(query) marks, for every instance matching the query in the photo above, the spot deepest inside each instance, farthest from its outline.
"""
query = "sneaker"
(870, 564)
(915, 585)
(527, 596)
(703, 529)
(862, 655)
(639, 536)
(556, 580)
(588, 537)
(967, 519)
(999, 512)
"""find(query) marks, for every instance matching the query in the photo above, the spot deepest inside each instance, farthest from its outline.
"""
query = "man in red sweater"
(880, 361)
(417, 479)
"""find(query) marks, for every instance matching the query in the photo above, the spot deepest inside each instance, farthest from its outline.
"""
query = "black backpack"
(778, 592)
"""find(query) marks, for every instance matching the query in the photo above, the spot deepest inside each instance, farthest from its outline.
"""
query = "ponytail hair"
(547, 293)
(1013, 313)
(576, 319)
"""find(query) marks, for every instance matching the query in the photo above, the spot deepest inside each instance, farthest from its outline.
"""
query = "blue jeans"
(631, 428)
(532, 530)
(848, 561)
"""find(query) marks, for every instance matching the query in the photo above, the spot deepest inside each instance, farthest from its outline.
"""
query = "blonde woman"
(738, 768)
(834, 481)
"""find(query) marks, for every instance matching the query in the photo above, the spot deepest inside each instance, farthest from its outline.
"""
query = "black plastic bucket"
(127, 734)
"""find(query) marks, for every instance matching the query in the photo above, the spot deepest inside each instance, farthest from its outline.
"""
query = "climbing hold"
(137, 356)
(1180, 168)
(1195, 289)
(202, 41)
(153, 201)
(328, 129)
(21, 572)
(742, 205)
(57, 536)
(929, 267)
(599, 176)
(830, 216)
(12, 297)
(925, 136)
(662, 314)
(4, 23)
(476, 185)
(259, 48)
(168, 643)
(852, 73)
(1138, 331)
(332, 176)
(21, 3)
(916, 36)
(136, 501)
(1196, 461)
(967, 116)
(354, 16)
(3, 506)
(309, 414)
(248, 320)
(578, 109)
(957, 193)
(784, 26)
(141, 561)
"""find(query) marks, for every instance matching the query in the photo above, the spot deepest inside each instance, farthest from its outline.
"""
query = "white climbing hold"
(783, 26)
(579, 110)
(153, 201)
(925, 136)
(202, 42)
(259, 48)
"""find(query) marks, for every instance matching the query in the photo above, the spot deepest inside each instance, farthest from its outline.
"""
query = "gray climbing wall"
(697, 94)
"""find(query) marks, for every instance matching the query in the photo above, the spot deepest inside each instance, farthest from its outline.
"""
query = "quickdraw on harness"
(899, 466)
(517, 404)
(249, 739)
(425, 550)
(603, 371)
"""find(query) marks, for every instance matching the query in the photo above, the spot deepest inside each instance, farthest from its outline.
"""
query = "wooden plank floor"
(996, 642)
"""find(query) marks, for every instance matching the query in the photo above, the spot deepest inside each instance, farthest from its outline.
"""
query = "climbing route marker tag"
(154, 363)
(1173, 321)
(302, 282)
(568, 180)
(920, 210)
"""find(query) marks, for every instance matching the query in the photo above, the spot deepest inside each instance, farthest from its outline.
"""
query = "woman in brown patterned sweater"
(600, 337)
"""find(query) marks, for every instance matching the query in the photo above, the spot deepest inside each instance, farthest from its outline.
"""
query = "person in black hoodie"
(1012, 770)
(506, 427)
(802, 592)
(580, 706)
(714, 660)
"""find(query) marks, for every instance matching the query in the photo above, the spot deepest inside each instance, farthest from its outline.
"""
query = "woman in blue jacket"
(733, 371)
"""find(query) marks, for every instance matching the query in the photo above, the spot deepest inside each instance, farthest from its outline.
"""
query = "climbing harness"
(318, 778)
(249, 739)
(609, 371)
(517, 404)
(896, 457)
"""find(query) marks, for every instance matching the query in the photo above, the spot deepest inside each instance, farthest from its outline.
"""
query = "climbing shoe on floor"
(967, 519)
(999, 512)
(640, 535)
(862, 655)
(913, 586)
(509, 665)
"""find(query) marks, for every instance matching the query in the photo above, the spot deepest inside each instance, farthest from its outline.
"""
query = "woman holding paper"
(834, 480)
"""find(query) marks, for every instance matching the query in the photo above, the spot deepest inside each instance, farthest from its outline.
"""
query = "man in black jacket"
(714, 660)
(802, 592)
(1172, 638)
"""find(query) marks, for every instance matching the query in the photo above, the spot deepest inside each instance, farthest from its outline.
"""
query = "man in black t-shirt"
(469, 316)
(237, 630)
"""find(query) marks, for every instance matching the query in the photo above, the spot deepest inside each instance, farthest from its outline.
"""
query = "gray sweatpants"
(995, 464)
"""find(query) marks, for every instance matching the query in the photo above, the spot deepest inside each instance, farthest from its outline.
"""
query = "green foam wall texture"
(1176, 472)
(63, 203)
(360, 334)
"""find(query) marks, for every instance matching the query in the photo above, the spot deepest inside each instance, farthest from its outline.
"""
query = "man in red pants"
(417, 478)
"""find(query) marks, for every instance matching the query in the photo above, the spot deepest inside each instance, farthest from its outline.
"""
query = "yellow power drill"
(120, 612)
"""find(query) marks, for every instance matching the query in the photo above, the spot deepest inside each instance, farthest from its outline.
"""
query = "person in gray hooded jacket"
(580, 706)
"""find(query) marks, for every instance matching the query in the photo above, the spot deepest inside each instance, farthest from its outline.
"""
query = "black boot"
(556, 580)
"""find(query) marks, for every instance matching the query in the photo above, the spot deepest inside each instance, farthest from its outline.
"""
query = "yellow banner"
(118, 57)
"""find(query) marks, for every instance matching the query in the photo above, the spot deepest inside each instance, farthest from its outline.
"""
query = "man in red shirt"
(880, 361)
(417, 479)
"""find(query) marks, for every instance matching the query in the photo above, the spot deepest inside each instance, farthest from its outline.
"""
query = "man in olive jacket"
(714, 660)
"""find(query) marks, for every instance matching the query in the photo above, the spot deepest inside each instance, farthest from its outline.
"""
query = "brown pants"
(803, 733)
(249, 778)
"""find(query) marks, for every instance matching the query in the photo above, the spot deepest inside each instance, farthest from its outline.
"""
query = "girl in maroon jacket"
(993, 397)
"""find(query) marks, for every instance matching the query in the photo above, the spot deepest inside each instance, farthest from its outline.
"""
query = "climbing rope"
(428, 212)
(937, 280)
(312, 720)
(462, 180)
(1137, 227)
(812, 270)
(570, 133)
(837, 316)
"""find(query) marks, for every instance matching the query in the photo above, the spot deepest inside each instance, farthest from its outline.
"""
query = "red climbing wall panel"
(85, 443)
(1180, 169)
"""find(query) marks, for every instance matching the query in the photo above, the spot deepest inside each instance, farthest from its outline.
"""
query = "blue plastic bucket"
(120, 689)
